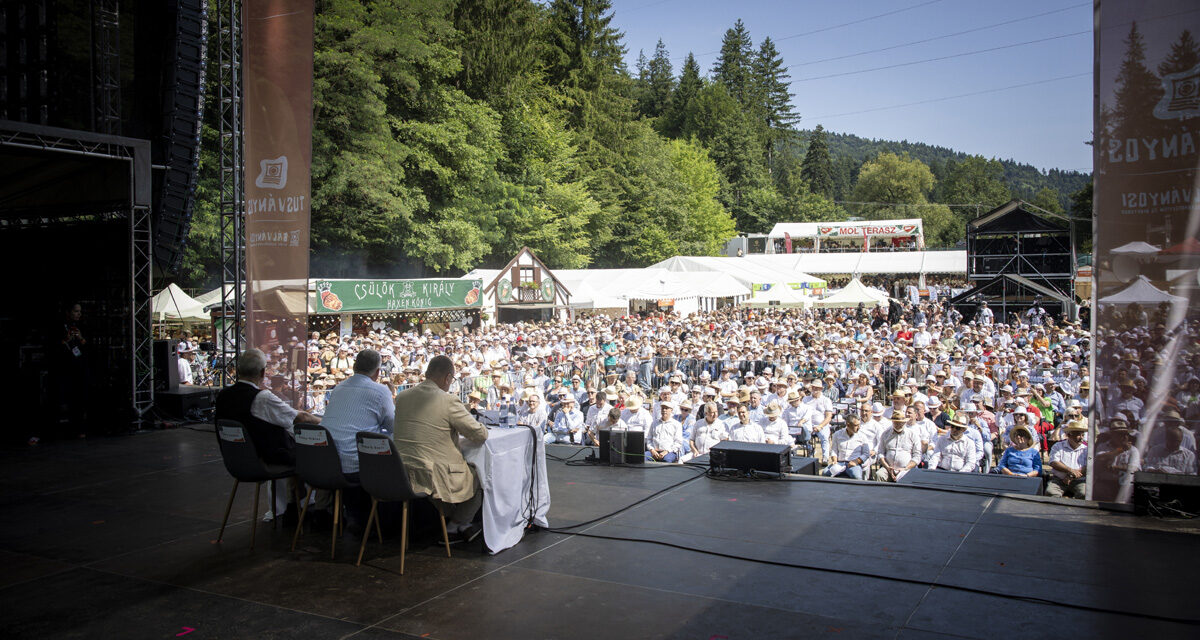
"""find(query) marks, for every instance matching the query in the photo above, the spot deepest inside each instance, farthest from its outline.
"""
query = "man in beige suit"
(428, 423)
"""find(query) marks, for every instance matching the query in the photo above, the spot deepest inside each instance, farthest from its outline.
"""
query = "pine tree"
(817, 168)
(732, 68)
(676, 123)
(1138, 90)
(771, 90)
(1185, 54)
(659, 83)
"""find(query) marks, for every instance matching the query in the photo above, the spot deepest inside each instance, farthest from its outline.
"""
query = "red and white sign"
(868, 229)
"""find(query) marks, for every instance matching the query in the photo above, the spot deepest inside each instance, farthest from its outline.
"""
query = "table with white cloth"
(511, 465)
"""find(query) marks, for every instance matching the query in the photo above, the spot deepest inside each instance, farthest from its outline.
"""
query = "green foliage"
(976, 180)
(817, 169)
(904, 183)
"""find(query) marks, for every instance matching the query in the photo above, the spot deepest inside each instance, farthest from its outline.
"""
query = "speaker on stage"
(166, 365)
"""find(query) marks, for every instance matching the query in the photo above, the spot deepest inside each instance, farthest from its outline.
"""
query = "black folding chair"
(385, 479)
(242, 461)
(320, 467)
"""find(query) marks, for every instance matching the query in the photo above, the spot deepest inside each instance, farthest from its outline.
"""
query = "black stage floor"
(115, 538)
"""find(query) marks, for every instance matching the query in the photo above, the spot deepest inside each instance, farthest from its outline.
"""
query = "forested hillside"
(449, 133)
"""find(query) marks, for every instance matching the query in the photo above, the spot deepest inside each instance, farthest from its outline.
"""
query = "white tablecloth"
(506, 464)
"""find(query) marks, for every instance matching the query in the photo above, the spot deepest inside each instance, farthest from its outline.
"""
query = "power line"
(836, 26)
(955, 97)
(951, 56)
(944, 36)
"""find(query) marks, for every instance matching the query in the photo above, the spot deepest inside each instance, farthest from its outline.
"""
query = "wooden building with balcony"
(527, 290)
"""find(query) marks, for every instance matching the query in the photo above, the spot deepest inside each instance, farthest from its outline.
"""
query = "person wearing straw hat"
(568, 424)
(798, 417)
(1068, 463)
(635, 416)
(743, 429)
(664, 441)
(775, 430)
(821, 409)
(1022, 458)
(899, 450)
(954, 451)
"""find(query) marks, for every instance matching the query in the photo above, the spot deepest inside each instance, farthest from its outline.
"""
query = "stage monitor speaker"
(750, 456)
(178, 146)
(166, 365)
(621, 446)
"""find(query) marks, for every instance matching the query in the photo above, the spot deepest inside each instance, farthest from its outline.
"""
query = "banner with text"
(353, 296)
(870, 229)
(277, 75)
(1147, 126)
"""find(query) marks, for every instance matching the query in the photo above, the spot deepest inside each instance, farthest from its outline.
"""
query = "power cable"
(954, 97)
(943, 36)
(946, 57)
(832, 27)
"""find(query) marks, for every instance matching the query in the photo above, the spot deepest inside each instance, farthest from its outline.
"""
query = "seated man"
(1171, 457)
(359, 403)
(266, 417)
(635, 417)
(532, 413)
(428, 421)
(664, 443)
(744, 429)
(954, 451)
(1068, 463)
(774, 428)
(899, 450)
(848, 451)
(568, 425)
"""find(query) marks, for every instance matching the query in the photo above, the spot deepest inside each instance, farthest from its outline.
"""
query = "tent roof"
(1136, 248)
(882, 262)
(1013, 216)
(748, 270)
(853, 294)
(780, 294)
(1189, 246)
(1002, 280)
(173, 304)
(1141, 292)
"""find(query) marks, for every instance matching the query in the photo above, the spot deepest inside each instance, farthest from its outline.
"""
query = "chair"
(320, 467)
(385, 479)
(242, 461)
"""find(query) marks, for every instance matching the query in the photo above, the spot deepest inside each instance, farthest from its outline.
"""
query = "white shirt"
(185, 371)
(900, 448)
(705, 435)
(819, 407)
(269, 407)
(850, 447)
(798, 416)
(636, 420)
(1179, 461)
(666, 435)
(1072, 458)
(954, 455)
(751, 432)
(777, 432)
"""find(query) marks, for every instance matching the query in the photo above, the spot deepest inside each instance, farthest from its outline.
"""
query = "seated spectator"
(1170, 457)
(664, 442)
(709, 431)
(744, 429)
(848, 451)
(611, 421)
(568, 426)
(532, 413)
(1068, 463)
(797, 416)
(899, 450)
(775, 430)
(634, 415)
(1022, 458)
(954, 451)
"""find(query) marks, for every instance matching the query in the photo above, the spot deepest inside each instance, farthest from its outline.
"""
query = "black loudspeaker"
(620, 446)
(178, 146)
(750, 456)
(166, 365)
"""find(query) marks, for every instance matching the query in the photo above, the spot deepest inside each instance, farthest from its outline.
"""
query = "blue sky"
(1043, 124)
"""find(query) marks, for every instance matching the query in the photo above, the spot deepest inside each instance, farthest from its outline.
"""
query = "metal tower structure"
(232, 192)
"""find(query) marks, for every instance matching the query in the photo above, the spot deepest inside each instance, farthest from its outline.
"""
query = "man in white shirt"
(1171, 457)
(1068, 463)
(634, 415)
(899, 450)
(568, 425)
(708, 431)
(186, 355)
(774, 428)
(821, 409)
(873, 427)
(664, 442)
(744, 429)
(797, 416)
(954, 451)
(848, 451)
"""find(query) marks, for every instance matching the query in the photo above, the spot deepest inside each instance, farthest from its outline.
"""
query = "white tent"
(1140, 291)
(173, 304)
(1137, 248)
(854, 294)
(748, 270)
(779, 295)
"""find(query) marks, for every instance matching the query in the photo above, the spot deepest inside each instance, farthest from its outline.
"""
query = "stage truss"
(232, 192)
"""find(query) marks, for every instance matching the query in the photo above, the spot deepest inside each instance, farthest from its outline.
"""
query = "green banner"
(350, 296)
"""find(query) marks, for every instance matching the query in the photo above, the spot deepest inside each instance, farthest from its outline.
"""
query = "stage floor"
(115, 538)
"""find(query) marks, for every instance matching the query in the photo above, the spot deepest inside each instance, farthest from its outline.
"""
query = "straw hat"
(772, 411)
(633, 403)
(1077, 425)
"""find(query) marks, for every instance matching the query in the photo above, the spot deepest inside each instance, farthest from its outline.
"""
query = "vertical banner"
(277, 66)
(1144, 407)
